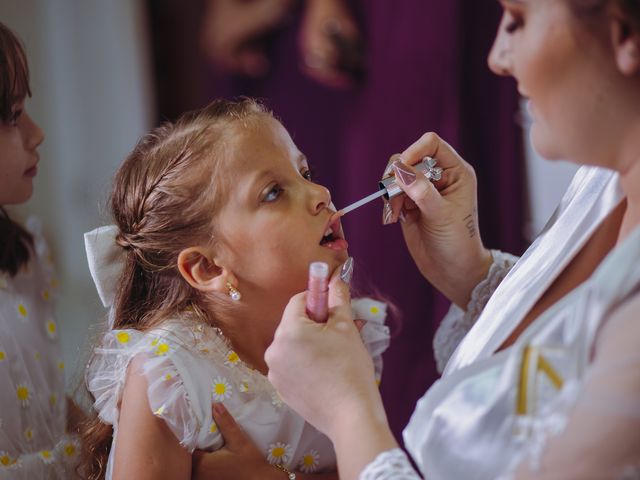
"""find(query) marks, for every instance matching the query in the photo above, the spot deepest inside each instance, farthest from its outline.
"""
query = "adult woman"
(546, 372)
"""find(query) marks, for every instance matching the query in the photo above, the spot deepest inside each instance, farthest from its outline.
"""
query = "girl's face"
(19, 140)
(274, 222)
(558, 64)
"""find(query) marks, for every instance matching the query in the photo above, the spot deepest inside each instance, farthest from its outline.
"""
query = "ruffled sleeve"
(160, 354)
(374, 333)
(458, 322)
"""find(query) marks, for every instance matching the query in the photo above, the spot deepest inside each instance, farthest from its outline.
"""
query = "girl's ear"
(626, 46)
(201, 272)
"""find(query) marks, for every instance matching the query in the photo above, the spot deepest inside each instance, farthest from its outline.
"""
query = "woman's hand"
(323, 371)
(239, 458)
(232, 30)
(330, 44)
(440, 221)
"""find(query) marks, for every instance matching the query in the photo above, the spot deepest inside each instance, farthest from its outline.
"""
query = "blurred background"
(354, 81)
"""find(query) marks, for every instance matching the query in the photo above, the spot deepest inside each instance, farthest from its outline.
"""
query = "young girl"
(217, 221)
(33, 438)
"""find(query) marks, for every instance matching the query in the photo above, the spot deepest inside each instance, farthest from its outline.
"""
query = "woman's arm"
(146, 447)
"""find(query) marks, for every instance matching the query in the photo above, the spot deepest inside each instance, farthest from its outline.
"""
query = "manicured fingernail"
(389, 169)
(406, 176)
(387, 214)
(346, 272)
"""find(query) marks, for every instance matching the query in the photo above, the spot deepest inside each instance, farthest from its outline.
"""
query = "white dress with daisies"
(33, 442)
(190, 365)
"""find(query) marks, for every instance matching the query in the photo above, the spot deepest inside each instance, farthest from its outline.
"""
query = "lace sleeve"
(601, 438)
(390, 465)
(457, 322)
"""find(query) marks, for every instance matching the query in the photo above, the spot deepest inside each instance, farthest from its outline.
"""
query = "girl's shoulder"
(187, 366)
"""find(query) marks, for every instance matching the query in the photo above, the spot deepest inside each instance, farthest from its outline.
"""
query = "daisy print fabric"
(33, 441)
(189, 366)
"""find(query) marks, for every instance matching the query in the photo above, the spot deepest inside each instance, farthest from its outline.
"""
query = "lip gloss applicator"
(389, 187)
(318, 292)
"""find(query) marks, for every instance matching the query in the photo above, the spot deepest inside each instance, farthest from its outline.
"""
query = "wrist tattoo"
(470, 223)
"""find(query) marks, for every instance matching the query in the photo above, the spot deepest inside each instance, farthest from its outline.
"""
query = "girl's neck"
(250, 331)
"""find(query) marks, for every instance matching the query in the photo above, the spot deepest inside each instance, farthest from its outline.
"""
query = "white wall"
(91, 82)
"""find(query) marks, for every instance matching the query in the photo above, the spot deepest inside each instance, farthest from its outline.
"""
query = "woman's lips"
(337, 244)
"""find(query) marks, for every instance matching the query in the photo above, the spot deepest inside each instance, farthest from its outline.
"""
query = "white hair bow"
(106, 261)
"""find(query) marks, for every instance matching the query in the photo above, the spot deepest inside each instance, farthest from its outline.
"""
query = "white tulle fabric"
(458, 322)
(189, 365)
(561, 402)
(33, 440)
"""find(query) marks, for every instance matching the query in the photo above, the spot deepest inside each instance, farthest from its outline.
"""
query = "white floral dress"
(190, 365)
(33, 442)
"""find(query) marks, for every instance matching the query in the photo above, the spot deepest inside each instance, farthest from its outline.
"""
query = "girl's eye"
(307, 174)
(15, 115)
(273, 194)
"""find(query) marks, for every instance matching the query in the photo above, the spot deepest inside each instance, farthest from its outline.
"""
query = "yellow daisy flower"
(374, 309)
(244, 386)
(23, 394)
(22, 310)
(6, 460)
(279, 453)
(213, 428)
(45, 295)
(2, 355)
(46, 456)
(222, 389)
(168, 377)
(61, 365)
(51, 328)
(70, 449)
(53, 399)
(122, 337)
(154, 342)
(28, 434)
(232, 359)
(162, 349)
(310, 461)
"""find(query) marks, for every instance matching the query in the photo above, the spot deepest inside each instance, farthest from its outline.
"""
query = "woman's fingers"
(431, 145)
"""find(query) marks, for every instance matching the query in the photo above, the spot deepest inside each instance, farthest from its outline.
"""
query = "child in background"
(217, 221)
(33, 409)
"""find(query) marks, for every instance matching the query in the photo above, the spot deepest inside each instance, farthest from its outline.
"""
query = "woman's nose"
(499, 59)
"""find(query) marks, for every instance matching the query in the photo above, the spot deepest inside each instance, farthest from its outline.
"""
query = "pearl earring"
(234, 293)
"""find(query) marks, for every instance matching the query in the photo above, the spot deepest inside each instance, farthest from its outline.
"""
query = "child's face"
(273, 223)
(19, 140)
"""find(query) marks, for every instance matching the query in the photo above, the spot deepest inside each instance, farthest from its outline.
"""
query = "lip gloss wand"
(318, 292)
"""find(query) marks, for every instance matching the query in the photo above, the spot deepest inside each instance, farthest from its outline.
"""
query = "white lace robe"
(564, 400)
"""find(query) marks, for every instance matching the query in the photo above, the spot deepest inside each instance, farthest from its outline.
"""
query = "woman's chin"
(543, 145)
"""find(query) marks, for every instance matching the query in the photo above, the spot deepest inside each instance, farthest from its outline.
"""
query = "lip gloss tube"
(318, 292)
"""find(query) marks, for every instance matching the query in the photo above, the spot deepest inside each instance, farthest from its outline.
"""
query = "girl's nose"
(33, 134)
(321, 198)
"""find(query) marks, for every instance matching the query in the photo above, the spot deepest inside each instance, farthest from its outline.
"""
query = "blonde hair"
(164, 200)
